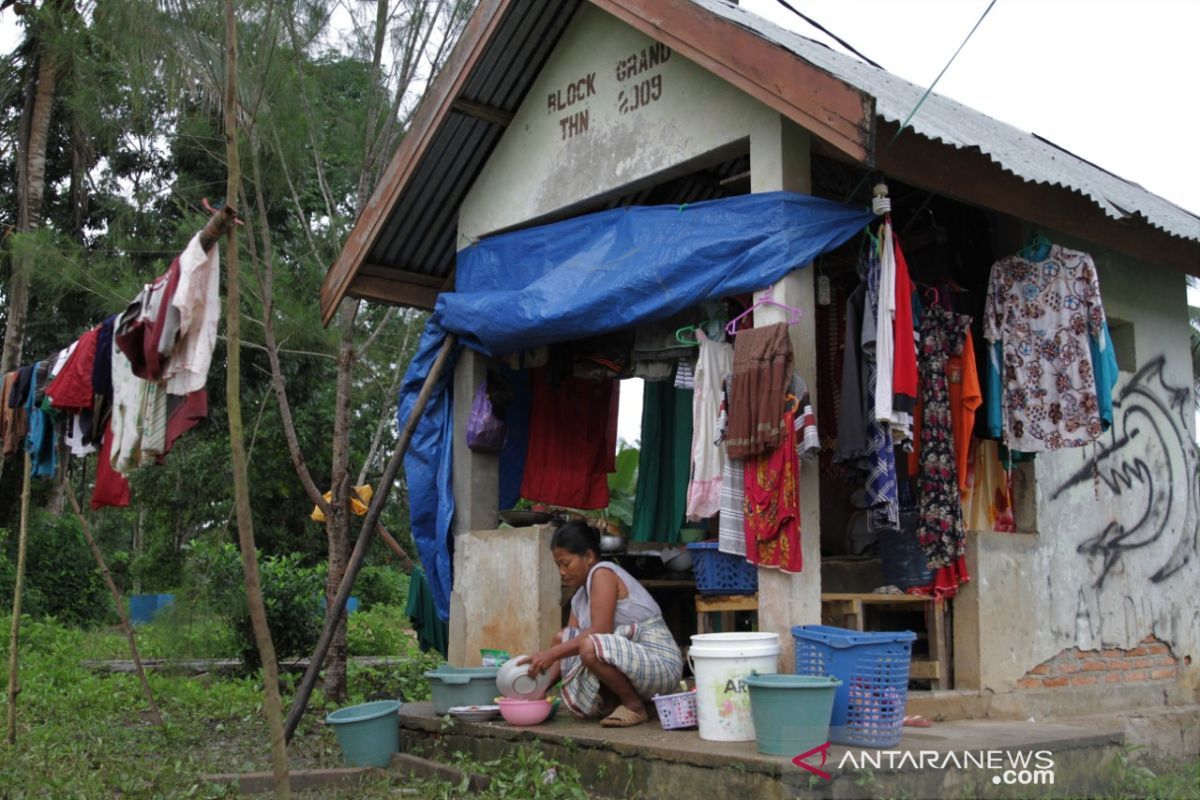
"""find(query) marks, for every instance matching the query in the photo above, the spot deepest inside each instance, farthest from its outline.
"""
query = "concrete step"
(951, 759)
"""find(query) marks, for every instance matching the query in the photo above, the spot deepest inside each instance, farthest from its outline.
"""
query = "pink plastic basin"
(524, 712)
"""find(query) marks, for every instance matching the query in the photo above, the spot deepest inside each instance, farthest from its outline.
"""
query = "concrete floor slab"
(949, 759)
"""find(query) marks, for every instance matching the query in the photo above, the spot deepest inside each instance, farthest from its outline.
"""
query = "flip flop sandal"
(917, 721)
(624, 717)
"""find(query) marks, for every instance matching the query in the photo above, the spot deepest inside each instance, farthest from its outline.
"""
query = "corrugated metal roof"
(1025, 155)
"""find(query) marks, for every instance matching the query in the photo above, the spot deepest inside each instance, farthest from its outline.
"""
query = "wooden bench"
(849, 610)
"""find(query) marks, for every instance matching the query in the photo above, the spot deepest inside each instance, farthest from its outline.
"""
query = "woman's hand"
(539, 662)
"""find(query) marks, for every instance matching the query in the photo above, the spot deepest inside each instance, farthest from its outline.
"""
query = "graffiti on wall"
(1146, 463)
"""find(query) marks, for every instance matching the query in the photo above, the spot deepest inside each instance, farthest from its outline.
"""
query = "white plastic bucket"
(721, 662)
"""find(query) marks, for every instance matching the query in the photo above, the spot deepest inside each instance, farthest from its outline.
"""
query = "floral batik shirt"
(1042, 313)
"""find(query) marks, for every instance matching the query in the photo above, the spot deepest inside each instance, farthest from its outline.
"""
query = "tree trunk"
(31, 188)
(272, 708)
(337, 523)
(14, 685)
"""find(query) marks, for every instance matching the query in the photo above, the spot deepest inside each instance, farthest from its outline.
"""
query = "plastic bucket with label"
(721, 663)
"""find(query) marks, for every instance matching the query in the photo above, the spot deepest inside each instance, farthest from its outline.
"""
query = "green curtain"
(664, 465)
(432, 632)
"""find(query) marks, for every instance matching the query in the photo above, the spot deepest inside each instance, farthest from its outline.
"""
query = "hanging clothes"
(112, 488)
(939, 528)
(714, 362)
(987, 497)
(1104, 359)
(516, 445)
(12, 423)
(965, 398)
(197, 299)
(857, 396)
(127, 405)
(572, 442)
(433, 634)
(772, 505)
(762, 368)
(880, 488)
(71, 389)
(1043, 313)
(663, 464)
(904, 357)
(149, 323)
(40, 441)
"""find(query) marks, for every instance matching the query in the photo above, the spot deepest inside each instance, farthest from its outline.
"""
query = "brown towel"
(762, 369)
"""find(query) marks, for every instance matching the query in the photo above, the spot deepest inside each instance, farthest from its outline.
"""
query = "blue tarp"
(587, 276)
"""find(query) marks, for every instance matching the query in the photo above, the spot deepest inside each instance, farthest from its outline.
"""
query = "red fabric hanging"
(772, 504)
(71, 389)
(112, 488)
(572, 441)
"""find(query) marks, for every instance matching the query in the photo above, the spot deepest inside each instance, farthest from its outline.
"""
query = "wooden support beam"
(397, 293)
(496, 116)
(972, 177)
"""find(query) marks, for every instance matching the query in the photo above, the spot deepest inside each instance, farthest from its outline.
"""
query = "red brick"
(1143, 663)
(1136, 675)
(1112, 653)
(1165, 661)
(1113, 677)
(1041, 669)
(1083, 680)
(1158, 649)
(1051, 683)
(1030, 683)
(1137, 651)
(1162, 673)
(1069, 667)
(1095, 666)
(1149, 638)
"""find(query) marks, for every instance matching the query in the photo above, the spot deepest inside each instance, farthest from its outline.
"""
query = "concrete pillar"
(780, 160)
(475, 476)
(507, 593)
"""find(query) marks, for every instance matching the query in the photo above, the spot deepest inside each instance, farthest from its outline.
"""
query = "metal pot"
(610, 545)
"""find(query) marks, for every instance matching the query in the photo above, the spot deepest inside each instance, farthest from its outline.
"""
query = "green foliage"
(529, 773)
(379, 631)
(292, 595)
(622, 486)
(61, 577)
(381, 585)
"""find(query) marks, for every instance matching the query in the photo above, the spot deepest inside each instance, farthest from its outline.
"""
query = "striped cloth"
(645, 652)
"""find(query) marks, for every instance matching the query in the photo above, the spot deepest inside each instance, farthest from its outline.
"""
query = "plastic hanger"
(766, 300)
(681, 335)
(1038, 248)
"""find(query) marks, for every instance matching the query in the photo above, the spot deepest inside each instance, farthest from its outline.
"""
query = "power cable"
(827, 32)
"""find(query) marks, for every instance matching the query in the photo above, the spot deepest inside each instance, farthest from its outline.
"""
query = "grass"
(87, 734)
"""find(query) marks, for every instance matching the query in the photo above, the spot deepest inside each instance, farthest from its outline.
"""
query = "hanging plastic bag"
(486, 433)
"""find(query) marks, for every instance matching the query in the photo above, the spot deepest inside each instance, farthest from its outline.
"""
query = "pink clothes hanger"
(768, 299)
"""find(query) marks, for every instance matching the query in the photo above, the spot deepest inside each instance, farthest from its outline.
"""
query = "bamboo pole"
(334, 612)
(120, 603)
(272, 707)
(19, 585)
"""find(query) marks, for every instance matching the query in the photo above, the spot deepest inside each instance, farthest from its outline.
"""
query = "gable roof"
(402, 248)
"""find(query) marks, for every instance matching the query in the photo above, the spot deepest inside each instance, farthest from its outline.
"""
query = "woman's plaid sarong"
(645, 652)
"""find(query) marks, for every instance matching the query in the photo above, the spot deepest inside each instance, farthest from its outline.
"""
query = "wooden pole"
(19, 585)
(334, 612)
(272, 707)
(120, 603)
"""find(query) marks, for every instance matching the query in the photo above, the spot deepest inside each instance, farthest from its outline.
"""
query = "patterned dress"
(1043, 313)
(940, 528)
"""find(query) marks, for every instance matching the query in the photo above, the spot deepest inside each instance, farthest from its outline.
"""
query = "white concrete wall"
(1113, 563)
(589, 126)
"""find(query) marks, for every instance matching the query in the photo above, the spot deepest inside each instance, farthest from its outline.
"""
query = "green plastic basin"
(368, 733)
(791, 712)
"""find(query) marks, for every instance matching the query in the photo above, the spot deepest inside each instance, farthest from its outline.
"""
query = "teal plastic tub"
(462, 686)
(368, 733)
(791, 712)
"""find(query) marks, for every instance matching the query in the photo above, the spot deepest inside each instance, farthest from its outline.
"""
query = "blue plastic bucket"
(368, 733)
(791, 712)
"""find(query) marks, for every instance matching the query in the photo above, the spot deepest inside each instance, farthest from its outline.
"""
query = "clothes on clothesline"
(1044, 314)
(762, 367)
(664, 464)
(714, 362)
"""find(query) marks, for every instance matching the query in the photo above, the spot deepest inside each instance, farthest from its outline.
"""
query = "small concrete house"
(551, 109)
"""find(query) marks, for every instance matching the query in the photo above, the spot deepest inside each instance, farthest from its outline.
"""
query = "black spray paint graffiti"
(1147, 462)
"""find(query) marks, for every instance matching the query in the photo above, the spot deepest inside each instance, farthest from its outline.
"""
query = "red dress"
(772, 504)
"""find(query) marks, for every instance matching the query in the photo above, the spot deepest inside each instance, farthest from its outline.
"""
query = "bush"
(61, 577)
(379, 631)
(381, 586)
(292, 594)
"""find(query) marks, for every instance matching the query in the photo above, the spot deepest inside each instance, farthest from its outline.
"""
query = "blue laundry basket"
(868, 710)
(721, 573)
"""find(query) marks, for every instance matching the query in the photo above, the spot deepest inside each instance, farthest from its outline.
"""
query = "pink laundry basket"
(676, 711)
